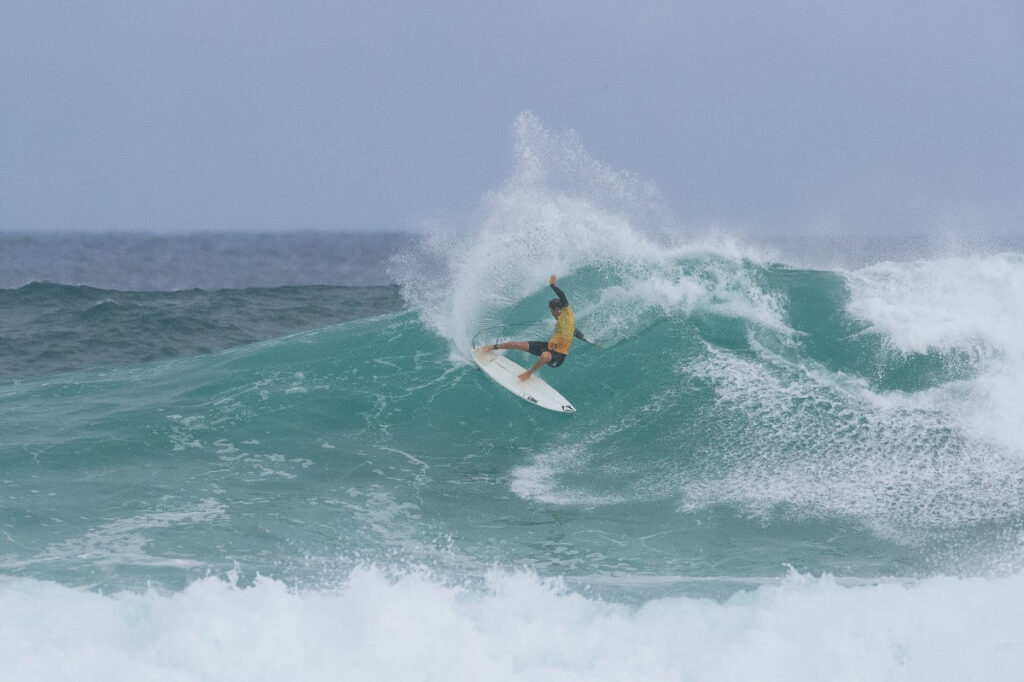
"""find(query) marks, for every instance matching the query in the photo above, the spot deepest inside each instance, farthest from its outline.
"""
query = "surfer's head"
(556, 306)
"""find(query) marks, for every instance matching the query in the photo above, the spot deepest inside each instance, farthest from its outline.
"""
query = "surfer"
(553, 352)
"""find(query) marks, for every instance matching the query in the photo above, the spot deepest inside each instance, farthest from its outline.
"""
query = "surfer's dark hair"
(555, 303)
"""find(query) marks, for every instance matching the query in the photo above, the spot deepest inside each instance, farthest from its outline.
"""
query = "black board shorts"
(538, 347)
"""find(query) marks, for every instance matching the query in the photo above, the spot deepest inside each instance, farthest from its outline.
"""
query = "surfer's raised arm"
(561, 294)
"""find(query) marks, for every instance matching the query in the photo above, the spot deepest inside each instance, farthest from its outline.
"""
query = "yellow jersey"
(565, 329)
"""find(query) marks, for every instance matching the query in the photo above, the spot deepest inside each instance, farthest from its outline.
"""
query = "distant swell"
(48, 328)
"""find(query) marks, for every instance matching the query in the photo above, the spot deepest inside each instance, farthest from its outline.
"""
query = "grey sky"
(782, 116)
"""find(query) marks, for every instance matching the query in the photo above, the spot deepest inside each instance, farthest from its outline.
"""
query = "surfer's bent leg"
(556, 359)
(544, 359)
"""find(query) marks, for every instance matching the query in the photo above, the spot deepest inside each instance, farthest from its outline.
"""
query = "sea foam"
(562, 211)
(515, 627)
(970, 308)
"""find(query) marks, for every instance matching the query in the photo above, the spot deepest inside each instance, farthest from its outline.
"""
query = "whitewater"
(780, 469)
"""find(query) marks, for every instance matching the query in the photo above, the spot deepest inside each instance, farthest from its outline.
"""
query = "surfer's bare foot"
(525, 375)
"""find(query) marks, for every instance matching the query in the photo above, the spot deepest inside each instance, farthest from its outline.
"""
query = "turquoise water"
(777, 470)
(761, 428)
(744, 427)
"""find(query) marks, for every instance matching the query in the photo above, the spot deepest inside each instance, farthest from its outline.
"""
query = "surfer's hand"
(552, 282)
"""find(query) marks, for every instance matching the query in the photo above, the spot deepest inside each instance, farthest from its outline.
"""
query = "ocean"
(223, 459)
(270, 457)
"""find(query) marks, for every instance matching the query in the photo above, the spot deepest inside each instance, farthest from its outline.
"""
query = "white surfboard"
(534, 390)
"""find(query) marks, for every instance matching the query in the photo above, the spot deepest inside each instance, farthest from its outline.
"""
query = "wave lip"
(564, 212)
